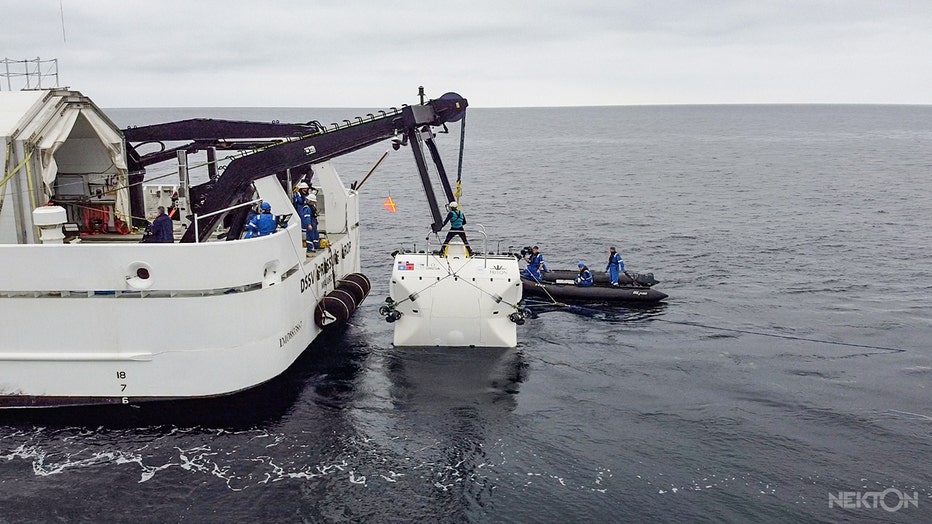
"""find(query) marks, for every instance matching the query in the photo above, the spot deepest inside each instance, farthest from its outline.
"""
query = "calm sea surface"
(790, 365)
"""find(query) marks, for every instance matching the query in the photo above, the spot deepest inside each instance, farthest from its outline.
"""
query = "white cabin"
(58, 146)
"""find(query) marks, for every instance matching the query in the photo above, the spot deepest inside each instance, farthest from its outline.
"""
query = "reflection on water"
(442, 379)
(326, 366)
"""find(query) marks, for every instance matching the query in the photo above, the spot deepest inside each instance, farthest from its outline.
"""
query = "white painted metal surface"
(208, 319)
(455, 300)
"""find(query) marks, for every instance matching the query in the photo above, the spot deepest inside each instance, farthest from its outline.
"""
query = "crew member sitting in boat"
(535, 264)
(584, 278)
(262, 224)
(615, 266)
(457, 220)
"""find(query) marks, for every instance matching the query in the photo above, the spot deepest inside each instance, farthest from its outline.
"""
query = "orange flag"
(389, 204)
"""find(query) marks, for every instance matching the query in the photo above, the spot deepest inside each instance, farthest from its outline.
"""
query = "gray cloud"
(587, 52)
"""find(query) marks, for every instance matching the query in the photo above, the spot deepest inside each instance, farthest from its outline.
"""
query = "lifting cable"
(459, 165)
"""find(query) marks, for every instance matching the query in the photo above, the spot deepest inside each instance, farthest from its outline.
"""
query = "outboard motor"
(645, 279)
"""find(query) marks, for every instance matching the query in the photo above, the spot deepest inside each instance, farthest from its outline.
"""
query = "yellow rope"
(16, 169)
(31, 186)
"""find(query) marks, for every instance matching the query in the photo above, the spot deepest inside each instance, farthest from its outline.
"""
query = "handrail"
(197, 236)
(485, 241)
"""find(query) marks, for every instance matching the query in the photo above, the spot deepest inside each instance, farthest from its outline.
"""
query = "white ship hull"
(81, 327)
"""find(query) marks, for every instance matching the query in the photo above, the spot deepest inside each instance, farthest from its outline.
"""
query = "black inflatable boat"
(558, 285)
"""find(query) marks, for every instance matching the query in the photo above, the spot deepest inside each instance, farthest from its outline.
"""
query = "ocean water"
(790, 370)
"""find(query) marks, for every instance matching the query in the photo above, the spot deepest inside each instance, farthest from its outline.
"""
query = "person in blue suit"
(615, 266)
(584, 278)
(262, 224)
(161, 230)
(535, 264)
(300, 197)
(309, 223)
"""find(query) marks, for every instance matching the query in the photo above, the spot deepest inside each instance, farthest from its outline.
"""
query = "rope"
(9, 152)
(71, 204)
(15, 169)
(452, 273)
(777, 335)
(581, 309)
(32, 189)
(410, 297)
(547, 292)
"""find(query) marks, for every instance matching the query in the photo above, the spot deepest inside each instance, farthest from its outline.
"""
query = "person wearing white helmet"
(300, 195)
(457, 220)
(308, 214)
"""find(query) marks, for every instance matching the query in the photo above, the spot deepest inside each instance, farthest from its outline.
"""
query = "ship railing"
(29, 73)
(197, 236)
(480, 229)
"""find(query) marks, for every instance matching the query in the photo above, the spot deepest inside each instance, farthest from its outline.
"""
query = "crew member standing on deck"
(309, 223)
(300, 195)
(457, 220)
(615, 266)
(161, 230)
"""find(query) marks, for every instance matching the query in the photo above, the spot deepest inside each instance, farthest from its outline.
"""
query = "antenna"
(61, 8)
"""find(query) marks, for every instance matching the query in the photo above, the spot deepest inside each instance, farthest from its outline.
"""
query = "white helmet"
(302, 185)
(453, 205)
(312, 198)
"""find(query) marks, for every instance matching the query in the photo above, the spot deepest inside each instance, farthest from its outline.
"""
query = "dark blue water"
(791, 362)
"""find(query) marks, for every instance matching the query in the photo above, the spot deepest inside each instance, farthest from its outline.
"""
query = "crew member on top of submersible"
(584, 279)
(457, 220)
(615, 266)
(262, 224)
(535, 264)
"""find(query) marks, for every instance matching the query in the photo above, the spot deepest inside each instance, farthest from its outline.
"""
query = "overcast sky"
(496, 53)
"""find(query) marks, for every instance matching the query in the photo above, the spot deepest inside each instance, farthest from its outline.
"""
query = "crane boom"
(278, 149)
